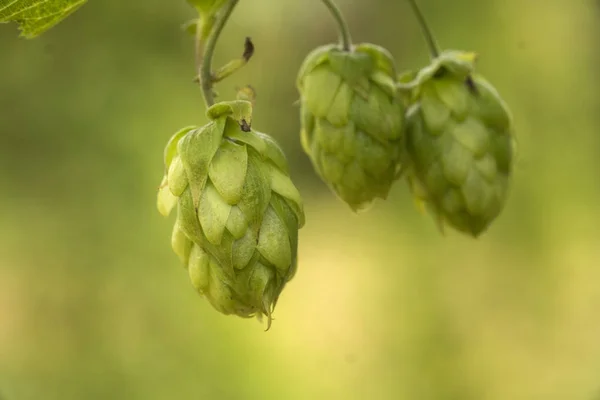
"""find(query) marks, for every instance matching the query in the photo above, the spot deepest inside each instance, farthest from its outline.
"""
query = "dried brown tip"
(245, 126)
(471, 85)
(248, 49)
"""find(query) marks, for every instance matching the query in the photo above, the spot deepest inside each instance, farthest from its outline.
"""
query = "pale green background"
(94, 304)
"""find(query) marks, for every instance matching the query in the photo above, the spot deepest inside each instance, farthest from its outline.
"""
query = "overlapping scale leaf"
(352, 120)
(460, 142)
(238, 211)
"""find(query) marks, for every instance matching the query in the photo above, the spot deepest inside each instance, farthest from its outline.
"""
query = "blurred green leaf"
(37, 16)
(190, 26)
(206, 6)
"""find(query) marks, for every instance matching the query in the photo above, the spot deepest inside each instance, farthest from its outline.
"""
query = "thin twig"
(341, 23)
(207, 51)
(429, 38)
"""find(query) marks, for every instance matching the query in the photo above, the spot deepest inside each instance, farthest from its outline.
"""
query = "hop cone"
(238, 212)
(460, 141)
(352, 120)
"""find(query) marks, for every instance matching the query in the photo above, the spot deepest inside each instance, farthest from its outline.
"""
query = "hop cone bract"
(460, 141)
(238, 212)
(352, 120)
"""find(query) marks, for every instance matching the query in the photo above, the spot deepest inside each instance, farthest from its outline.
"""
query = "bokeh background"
(94, 304)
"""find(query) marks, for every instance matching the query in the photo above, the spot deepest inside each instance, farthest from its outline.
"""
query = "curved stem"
(199, 46)
(203, 28)
(341, 22)
(429, 38)
(205, 68)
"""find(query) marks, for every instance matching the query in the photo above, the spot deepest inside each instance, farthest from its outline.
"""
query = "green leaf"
(171, 147)
(197, 150)
(273, 152)
(176, 177)
(239, 110)
(199, 268)
(207, 6)
(249, 138)
(165, 200)
(213, 213)
(274, 241)
(181, 244)
(191, 26)
(37, 16)
(288, 216)
(228, 171)
(283, 185)
(243, 248)
(237, 224)
(187, 219)
(257, 190)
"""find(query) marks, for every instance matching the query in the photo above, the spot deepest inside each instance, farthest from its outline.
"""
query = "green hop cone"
(238, 212)
(460, 143)
(352, 120)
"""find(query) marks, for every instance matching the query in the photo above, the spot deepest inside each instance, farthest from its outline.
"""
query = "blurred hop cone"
(352, 120)
(460, 143)
(238, 212)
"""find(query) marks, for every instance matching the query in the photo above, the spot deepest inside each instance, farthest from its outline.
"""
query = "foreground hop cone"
(352, 120)
(238, 212)
(460, 142)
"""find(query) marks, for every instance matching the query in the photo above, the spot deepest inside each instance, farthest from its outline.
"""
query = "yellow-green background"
(94, 304)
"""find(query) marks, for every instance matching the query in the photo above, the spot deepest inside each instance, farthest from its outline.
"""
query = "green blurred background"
(95, 305)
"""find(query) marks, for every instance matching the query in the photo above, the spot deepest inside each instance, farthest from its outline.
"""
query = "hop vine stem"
(431, 42)
(205, 48)
(341, 23)
(429, 38)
